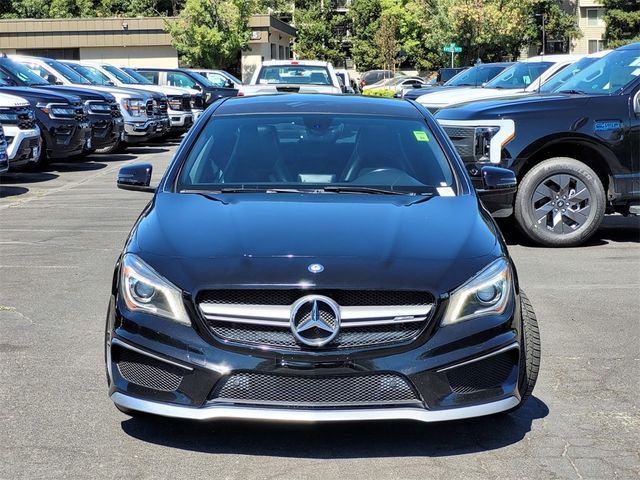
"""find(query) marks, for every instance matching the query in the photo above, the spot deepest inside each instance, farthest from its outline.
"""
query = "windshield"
(610, 74)
(475, 76)
(138, 79)
(566, 73)
(201, 79)
(294, 74)
(24, 75)
(68, 73)
(520, 75)
(316, 151)
(233, 78)
(94, 75)
(119, 74)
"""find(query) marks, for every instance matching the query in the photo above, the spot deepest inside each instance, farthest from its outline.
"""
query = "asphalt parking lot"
(62, 229)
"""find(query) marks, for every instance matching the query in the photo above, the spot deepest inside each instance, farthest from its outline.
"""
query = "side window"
(37, 69)
(217, 79)
(151, 76)
(177, 79)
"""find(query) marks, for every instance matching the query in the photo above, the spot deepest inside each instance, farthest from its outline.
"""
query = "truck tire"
(529, 354)
(560, 203)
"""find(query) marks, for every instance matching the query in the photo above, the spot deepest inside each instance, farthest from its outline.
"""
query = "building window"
(273, 52)
(595, 17)
(281, 52)
(596, 46)
(59, 53)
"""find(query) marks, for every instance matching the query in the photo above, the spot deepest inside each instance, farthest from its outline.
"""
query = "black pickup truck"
(575, 151)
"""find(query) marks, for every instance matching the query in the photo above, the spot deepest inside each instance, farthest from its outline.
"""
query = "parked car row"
(53, 109)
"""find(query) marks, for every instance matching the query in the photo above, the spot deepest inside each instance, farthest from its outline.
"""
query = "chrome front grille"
(463, 138)
(162, 107)
(149, 108)
(368, 317)
(315, 391)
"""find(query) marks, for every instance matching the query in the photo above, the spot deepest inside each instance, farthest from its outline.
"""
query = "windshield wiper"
(572, 92)
(356, 189)
(423, 198)
(205, 195)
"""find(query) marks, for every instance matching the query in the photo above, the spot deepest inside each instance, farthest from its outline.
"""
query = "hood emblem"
(315, 320)
(316, 268)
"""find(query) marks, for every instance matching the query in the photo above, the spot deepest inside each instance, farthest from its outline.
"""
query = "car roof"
(631, 46)
(565, 57)
(314, 63)
(317, 103)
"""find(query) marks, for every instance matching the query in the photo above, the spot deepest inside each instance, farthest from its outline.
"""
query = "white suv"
(20, 130)
(292, 76)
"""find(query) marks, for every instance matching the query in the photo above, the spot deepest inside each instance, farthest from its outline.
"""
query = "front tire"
(560, 203)
(529, 353)
(118, 146)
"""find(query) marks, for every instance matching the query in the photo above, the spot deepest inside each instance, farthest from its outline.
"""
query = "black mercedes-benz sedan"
(318, 258)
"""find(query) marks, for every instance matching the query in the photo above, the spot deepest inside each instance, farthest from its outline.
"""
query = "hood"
(12, 101)
(35, 95)
(85, 93)
(443, 98)
(526, 105)
(363, 241)
(119, 93)
(158, 89)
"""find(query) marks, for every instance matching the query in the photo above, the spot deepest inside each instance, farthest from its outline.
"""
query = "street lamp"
(544, 46)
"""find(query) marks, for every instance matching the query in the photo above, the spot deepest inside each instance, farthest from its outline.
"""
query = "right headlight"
(486, 293)
(143, 289)
(133, 106)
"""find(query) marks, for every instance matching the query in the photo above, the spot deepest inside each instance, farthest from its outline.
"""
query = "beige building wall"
(271, 39)
(153, 56)
(592, 30)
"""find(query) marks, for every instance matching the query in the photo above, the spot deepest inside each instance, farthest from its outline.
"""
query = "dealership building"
(133, 42)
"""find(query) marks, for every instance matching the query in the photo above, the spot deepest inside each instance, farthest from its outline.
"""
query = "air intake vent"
(315, 391)
(148, 372)
(485, 374)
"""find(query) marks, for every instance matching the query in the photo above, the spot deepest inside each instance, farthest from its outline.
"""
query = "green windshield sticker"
(421, 136)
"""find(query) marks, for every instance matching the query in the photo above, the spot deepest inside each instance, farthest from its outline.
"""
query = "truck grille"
(186, 103)
(149, 108)
(162, 107)
(23, 117)
(315, 391)
(115, 110)
(370, 318)
(463, 138)
(81, 114)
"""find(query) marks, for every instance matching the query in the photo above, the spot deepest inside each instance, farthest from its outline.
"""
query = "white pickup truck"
(20, 130)
(292, 76)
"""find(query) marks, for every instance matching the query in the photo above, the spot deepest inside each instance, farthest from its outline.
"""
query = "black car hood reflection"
(368, 241)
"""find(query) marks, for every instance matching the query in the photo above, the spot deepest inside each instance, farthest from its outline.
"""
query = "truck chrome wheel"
(561, 203)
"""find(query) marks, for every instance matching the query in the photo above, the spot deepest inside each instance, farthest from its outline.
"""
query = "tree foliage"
(623, 22)
(319, 32)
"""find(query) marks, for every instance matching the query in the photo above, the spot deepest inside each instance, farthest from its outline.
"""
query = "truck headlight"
(98, 107)
(57, 110)
(486, 293)
(483, 142)
(175, 103)
(8, 117)
(133, 106)
(145, 290)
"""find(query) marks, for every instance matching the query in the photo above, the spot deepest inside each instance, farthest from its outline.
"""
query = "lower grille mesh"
(484, 374)
(148, 372)
(258, 388)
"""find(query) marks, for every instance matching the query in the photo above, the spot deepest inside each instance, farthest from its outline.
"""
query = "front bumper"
(144, 355)
(24, 147)
(140, 131)
(67, 138)
(105, 131)
(180, 120)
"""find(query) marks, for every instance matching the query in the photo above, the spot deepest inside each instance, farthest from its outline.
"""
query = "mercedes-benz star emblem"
(315, 320)
(315, 268)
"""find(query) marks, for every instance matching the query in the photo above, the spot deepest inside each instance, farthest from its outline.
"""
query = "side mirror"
(197, 87)
(136, 177)
(109, 83)
(498, 191)
(228, 84)
(497, 178)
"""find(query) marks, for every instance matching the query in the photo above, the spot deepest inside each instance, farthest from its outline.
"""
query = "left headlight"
(486, 293)
(143, 289)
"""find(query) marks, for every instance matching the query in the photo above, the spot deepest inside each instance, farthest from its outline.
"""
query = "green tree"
(212, 33)
(622, 20)
(365, 21)
(386, 41)
(318, 31)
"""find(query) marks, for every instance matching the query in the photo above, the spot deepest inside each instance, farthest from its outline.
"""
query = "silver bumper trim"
(477, 359)
(215, 412)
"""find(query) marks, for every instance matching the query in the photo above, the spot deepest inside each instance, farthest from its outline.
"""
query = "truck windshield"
(94, 75)
(475, 76)
(294, 74)
(68, 73)
(119, 74)
(519, 76)
(322, 152)
(22, 74)
(138, 79)
(609, 75)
